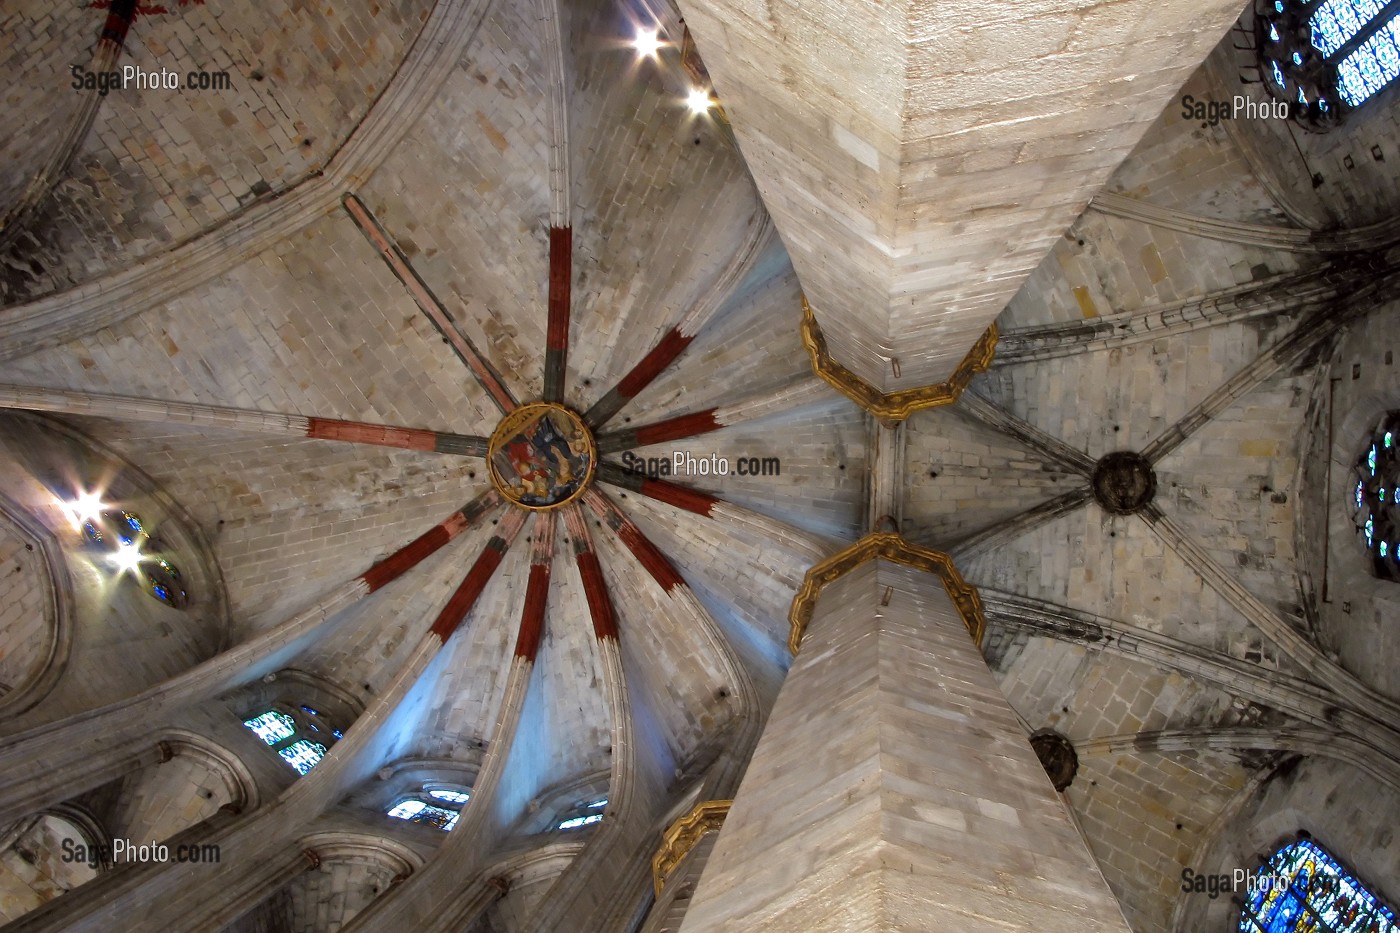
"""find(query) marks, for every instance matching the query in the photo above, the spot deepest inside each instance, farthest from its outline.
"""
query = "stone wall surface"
(1201, 169)
(159, 166)
(1357, 611)
(27, 630)
(324, 900)
(1144, 815)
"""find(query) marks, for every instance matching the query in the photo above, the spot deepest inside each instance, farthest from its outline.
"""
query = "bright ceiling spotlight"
(127, 558)
(647, 43)
(698, 101)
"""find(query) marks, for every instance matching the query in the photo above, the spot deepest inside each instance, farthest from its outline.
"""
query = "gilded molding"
(896, 406)
(706, 817)
(892, 547)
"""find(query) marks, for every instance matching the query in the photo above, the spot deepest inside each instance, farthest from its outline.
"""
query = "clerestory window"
(584, 814)
(1377, 513)
(1303, 889)
(300, 735)
(438, 807)
(1327, 57)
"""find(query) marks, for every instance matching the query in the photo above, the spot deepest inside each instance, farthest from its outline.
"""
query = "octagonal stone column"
(893, 788)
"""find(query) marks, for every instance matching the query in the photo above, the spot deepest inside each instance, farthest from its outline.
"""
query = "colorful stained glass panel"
(1335, 22)
(1303, 889)
(1374, 64)
(303, 755)
(272, 727)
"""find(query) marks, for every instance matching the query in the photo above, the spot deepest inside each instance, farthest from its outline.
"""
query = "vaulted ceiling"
(190, 263)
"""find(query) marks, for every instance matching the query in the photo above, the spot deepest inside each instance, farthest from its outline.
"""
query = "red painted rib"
(661, 569)
(330, 429)
(599, 603)
(651, 366)
(470, 590)
(701, 503)
(700, 422)
(532, 618)
(413, 553)
(391, 254)
(561, 244)
(120, 15)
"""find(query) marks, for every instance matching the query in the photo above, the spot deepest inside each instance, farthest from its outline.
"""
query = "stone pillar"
(893, 788)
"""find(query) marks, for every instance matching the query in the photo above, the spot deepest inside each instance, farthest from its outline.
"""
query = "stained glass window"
(138, 555)
(291, 732)
(303, 754)
(1374, 497)
(1303, 889)
(577, 821)
(272, 727)
(438, 807)
(416, 811)
(1329, 56)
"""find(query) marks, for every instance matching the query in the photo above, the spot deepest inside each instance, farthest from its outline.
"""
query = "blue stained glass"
(1374, 64)
(1370, 530)
(272, 727)
(1305, 890)
(1278, 74)
(1297, 58)
(307, 709)
(93, 534)
(302, 755)
(1278, 5)
(1384, 548)
(1301, 98)
(161, 592)
(578, 821)
(1336, 22)
(1371, 459)
(337, 733)
(132, 522)
(1273, 32)
(1360, 493)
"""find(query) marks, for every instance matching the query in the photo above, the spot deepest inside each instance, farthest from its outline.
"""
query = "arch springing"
(1304, 889)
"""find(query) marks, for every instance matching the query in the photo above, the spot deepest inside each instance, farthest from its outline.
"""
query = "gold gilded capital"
(889, 546)
(895, 406)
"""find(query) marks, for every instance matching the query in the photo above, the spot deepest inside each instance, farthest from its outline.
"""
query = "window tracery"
(1326, 58)
(1374, 497)
(1304, 889)
(298, 734)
